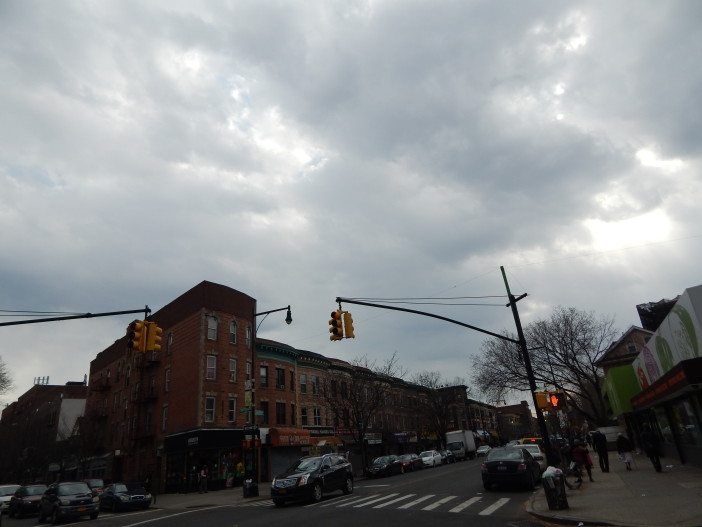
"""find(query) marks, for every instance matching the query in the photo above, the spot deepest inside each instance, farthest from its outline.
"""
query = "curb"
(567, 520)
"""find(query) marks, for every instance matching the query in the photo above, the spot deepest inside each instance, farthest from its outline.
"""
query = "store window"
(663, 424)
(686, 423)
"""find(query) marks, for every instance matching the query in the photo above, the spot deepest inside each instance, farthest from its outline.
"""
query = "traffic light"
(542, 400)
(136, 336)
(335, 326)
(348, 326)
(153, 337)
(554, 400)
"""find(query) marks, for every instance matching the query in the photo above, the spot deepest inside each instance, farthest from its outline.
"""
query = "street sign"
(244, 410)
(259, 413)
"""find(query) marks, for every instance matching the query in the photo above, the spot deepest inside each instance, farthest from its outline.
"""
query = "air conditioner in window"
(281, 386)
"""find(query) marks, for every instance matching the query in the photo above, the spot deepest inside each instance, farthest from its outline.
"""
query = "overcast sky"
(298, 151)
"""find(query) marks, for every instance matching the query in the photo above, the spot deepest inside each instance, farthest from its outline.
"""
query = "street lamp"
(252, 409)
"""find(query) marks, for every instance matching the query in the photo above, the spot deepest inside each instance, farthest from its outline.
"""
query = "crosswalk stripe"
(371, 502)
(358, 501)
(465, 504)
(401, 498)
(439, 502)
(333, 501)
(418, 500)
(492, 508)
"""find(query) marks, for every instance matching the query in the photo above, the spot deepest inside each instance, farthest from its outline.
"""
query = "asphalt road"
(447, 495)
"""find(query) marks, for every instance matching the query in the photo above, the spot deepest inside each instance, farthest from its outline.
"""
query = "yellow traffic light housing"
(153, 337)
(335, 326)
(136, 336)
(348, 325)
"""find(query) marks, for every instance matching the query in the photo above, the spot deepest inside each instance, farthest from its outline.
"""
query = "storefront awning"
(330, 441)
(683, 377)
(289, 437)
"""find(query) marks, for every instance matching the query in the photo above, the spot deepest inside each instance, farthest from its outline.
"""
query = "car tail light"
(483, 467)
(521, 467)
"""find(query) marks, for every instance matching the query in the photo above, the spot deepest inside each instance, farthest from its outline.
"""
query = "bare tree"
(441, 401)
(5, 378)
(357, 393)
(563, 350)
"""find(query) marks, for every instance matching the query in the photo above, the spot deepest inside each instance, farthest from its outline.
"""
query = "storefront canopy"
(289, 437)
(683, 377)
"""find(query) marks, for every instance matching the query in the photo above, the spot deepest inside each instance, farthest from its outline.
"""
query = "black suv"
(311, 478)
(68, 499)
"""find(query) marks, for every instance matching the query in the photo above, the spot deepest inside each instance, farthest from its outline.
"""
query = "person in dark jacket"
(624, 449)
(652, 447)
(599, 443)
(580, 456)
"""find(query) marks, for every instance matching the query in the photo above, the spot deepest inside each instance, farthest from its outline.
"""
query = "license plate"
(81, 509)
(501, 468)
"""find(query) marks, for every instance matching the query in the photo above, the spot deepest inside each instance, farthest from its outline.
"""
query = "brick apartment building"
(36, 433)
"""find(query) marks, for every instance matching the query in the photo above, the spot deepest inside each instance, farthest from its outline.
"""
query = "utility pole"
(529, 371)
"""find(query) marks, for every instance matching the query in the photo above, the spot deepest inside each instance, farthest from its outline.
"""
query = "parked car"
(312, 477)
(510, 465)
(430, 458)
(121, 496)
(411, 462)
(26, 500)
(96, 485)
(68, 499)
(447, 457)
(385, 466)
(537, 454)
(6, 492)
(513, 442)
(483, 450)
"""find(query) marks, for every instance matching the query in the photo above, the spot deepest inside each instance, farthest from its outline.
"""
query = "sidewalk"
(194, 500)
(640, 498)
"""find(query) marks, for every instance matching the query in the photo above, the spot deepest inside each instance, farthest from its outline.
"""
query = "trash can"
(554, 488)
(250, 488)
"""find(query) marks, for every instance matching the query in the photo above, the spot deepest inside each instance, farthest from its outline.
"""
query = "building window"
(248, 370)
(292, 381)
(232, 370)
(303, 383)
(209, 409)
(211, 372)
(264, 409)
(315, 385)
(280, 413)
(169, 342)
(167, 380)
(248, 336)
(263, 376)
(303, 416)
(164, 419)
(211, 328)
(293, 416)
(231, 413)
(232, 332)
(317, 417)
(280, 378)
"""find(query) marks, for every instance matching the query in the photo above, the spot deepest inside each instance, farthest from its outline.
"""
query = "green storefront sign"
(620, 386)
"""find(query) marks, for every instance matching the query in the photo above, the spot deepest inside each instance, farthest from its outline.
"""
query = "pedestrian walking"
(202, 480)
(652, 447)
(599, 443)
(624, 449)
(581, 457)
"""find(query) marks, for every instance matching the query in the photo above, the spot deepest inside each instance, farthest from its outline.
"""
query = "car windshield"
(456, 445)
(306, 464)
(120, 487)
(381, 460)
(95, 483)
(505, 454)
(406, 457)
(427, 453)
(68, 489)
(35, 491)
(8, 490)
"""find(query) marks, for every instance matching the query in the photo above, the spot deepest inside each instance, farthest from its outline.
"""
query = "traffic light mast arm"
(144, 310)
(424, 313)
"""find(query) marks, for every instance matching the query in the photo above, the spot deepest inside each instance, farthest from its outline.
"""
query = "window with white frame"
(211, 370)
(232, 370)
(248, 370)
(232, 332)
(211, 327)
(317, 417)
(315, 385)
(248, 336)
(209, 409)
(167, 380)
(231, 410)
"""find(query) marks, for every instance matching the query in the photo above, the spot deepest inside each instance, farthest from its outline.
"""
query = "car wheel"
(55, 516)
(94, 515)
(348, 486)
(317, 492)
(278, 502)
